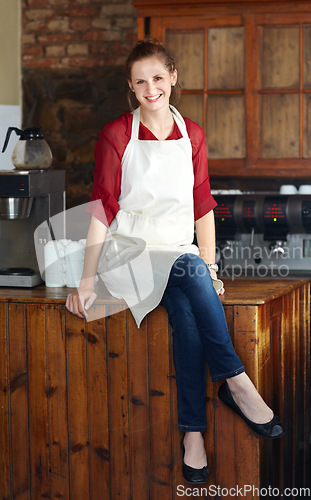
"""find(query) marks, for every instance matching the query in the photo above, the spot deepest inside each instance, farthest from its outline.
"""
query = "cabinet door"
(284, 91)
(225, 117)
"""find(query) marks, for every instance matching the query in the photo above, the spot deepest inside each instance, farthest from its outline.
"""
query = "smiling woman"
(157, 53)
(152, 178)
(152, 86)
(150, 81)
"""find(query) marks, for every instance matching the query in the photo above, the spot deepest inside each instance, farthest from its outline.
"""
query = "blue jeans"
(200, 334)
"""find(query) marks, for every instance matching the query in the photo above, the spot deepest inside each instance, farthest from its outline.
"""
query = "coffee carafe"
(31, 151)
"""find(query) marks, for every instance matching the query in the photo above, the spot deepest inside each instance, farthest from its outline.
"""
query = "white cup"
(288, 189)
(305, 189)
(54, 263)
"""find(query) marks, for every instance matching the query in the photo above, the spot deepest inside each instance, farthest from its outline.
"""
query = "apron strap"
(176, 115)
(179, 121)
(135, 124)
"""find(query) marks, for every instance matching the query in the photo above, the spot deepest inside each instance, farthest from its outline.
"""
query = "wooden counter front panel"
(89, 410)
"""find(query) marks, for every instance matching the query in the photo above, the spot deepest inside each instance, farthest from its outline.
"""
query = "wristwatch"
(213, 266)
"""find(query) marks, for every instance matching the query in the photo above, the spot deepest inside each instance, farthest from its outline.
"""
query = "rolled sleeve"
(103, 205)
(203, 200)
(107, 173)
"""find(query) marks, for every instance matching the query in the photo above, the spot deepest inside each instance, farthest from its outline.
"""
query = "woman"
(152, 179)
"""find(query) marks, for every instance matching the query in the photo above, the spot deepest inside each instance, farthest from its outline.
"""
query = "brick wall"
(73, 53)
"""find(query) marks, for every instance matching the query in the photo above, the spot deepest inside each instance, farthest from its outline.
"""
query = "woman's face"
(152, 83)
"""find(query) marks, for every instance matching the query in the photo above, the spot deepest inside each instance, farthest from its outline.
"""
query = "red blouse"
(109, 150)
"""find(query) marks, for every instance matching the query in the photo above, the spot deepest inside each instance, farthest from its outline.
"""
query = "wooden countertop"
(248, 291)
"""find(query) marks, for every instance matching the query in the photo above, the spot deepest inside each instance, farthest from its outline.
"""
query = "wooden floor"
(89, 410)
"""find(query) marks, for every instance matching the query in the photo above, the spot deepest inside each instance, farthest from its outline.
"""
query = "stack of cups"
(288, 189)
(74, 263)
(63, 261)
(55, 263)
(291, 189)
(305, 189)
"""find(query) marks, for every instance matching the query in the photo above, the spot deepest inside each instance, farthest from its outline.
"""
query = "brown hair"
(148, 48)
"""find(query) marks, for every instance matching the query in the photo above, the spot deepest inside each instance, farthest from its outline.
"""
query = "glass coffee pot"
(31, 151)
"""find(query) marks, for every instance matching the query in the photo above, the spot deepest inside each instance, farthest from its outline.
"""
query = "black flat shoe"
(191, 475)
(271, 430)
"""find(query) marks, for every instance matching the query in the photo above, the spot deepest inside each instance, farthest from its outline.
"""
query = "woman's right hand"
(79, 301)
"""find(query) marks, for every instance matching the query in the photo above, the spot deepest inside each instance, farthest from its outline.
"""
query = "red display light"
(223, 211)
(275, 212)
(249, 209)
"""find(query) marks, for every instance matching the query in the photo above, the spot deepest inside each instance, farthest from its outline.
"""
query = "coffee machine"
(263, 235)
(27, 198)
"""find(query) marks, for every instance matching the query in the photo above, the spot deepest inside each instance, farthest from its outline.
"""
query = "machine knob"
(227, 249)
(277, 248)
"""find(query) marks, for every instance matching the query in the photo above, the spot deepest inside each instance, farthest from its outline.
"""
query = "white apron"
(155, 223)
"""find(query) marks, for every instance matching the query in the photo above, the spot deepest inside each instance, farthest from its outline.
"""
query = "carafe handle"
(8, 134)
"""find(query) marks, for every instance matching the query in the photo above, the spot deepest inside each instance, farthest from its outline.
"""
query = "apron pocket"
(155, 230)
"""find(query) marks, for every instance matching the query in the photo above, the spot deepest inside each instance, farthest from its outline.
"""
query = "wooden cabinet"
(245, 72)
(88, 411)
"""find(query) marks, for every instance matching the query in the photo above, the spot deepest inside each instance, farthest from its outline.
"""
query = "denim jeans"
(200, 335)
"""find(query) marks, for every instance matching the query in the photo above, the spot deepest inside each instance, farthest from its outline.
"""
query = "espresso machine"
(263, 235)
(28, 198)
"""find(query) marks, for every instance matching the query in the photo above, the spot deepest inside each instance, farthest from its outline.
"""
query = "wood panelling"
(98, 416)
(225, 59)
(57, 391)
(226, 126)
(188, 46)
(88, 411)
(160, 407)
(38, 401)
(280, 57)
(193, 105)
(307, 56)
(6, 458)
(307, 126)
(139, 408)
(18, 374)
(280, 126)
